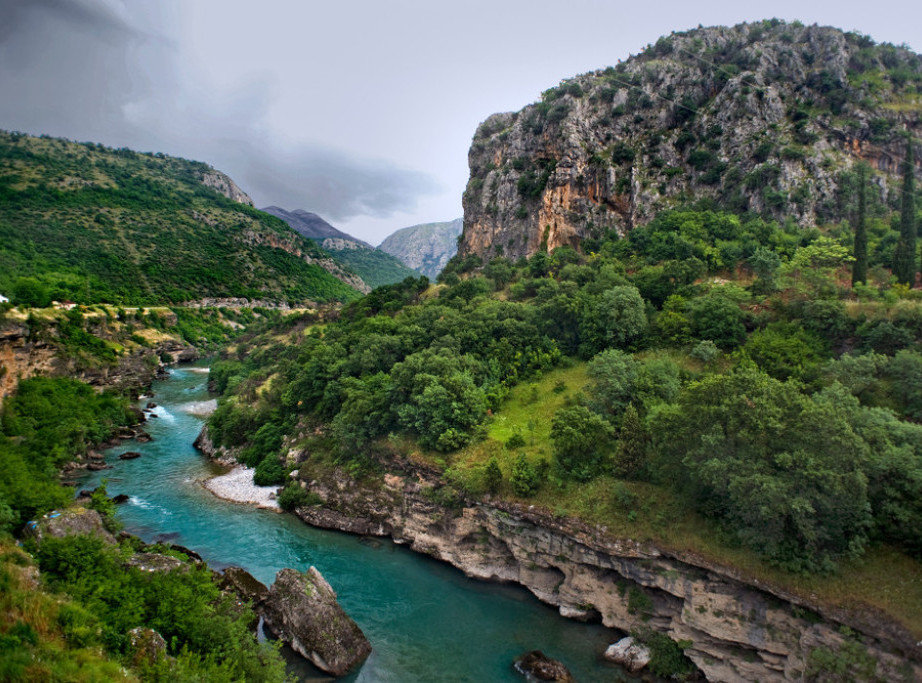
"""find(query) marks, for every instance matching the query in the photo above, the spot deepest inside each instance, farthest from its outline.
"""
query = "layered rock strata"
(738, 631)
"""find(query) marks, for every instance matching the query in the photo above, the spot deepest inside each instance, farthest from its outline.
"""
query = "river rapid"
(426, 621)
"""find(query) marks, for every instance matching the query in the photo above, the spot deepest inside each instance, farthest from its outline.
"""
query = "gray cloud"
(83, 70)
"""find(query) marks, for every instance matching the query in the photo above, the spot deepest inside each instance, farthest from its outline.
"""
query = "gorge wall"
(738, 631)
(766, 117)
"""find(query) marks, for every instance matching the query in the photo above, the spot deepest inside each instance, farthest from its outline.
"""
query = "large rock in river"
(301, 609)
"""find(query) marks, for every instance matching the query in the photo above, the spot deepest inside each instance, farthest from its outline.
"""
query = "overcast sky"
(359, 110)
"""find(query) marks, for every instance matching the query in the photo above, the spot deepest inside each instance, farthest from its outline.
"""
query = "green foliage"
(493, 476)
(782, 469)
(614, 318)
(633, 443)
(293, 496)
(786, 351)
(905, 262)
(526, 477)
(667, 657)
(582, 443)
(204, 628)
(46, 424)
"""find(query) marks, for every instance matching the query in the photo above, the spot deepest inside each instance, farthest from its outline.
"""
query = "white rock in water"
(629, 654)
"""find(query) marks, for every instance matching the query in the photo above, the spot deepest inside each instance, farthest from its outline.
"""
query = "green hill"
(374, 266)
(87, 223)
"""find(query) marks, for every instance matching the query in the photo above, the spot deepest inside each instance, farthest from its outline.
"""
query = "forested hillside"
(90, 224)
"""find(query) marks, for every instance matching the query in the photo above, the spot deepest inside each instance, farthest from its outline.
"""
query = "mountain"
(309, 224)
(374, 266)
(83, 222)
(426, 248)
(767, 118)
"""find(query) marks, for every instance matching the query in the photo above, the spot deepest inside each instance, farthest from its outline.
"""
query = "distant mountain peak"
(426, 247)
(310, 225)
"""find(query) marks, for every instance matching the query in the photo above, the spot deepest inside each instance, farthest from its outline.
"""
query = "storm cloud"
(87, 70)
(362, 111)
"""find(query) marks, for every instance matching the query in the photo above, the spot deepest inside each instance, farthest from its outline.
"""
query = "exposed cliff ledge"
(766, 117)
(26, 352)
(224, 185)
(738, 631)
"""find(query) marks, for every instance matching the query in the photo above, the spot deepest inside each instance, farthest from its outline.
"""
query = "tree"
(582, 441)
(860, 266)
(617, 317)
(780, 468)
(631, 454)
(904, 259)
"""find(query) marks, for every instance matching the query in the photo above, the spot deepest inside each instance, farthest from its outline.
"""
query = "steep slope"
(93, 224)
(766, 117)
(426, 248)
(374, 266)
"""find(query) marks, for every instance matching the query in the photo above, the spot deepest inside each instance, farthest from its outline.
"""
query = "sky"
(359, 110)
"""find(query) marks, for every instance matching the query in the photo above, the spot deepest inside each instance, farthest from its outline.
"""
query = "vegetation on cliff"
(86, 223)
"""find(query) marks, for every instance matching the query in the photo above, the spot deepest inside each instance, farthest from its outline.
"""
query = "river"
(426, 621)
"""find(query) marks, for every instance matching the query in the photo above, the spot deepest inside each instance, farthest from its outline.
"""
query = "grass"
(883, 582)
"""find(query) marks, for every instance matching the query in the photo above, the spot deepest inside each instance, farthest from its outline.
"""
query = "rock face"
(26, 351)
(223, 184)
(75, 521)
(738, 631)
(766, 117)
(301, 609)
(425, 248)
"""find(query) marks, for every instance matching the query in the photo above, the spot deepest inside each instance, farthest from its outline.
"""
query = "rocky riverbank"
(738, 631)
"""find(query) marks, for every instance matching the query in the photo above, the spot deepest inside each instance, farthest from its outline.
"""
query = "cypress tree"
(631, 454)
(860, 266)
(904, 259)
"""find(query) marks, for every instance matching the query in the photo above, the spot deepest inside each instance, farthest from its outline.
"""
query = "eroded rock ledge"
(738, 631)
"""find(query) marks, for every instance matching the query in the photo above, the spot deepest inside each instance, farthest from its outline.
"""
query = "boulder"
(146, 645)
(98, 466)
(156, 562)
(244, 585)
(76, 521)
(120, 498)
(628, 653)
(537, 666)
(129, 455)
(301, 609)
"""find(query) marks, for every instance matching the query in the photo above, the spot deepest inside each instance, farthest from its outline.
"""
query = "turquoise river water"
(426, 621)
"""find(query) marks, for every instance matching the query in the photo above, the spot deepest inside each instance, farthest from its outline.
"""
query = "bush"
(526, 477)
(293, 496)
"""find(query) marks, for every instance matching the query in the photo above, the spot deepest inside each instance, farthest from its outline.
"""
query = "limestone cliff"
(738, 631)
(36, 346)
(766, 117)
(425, 248)
(222, 183)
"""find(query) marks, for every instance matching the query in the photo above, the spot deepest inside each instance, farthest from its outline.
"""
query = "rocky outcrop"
(75, 521)
(425, 248)
(27, 350)
(537, 666)
(222, 184)
(220, 454)
(301, 609)
(628, 653)
(738, 631)
(766, 117)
